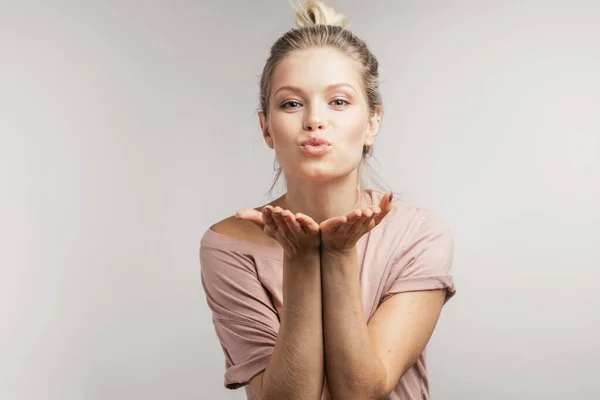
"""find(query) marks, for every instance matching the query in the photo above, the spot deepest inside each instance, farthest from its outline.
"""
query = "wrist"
(305, 259)
(338, 253)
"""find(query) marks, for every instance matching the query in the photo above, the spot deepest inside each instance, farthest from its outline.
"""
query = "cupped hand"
(297, 233)
(340, 234)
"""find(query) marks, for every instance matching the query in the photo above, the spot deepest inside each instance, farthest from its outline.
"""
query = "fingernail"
(267, 211)
(391, 196)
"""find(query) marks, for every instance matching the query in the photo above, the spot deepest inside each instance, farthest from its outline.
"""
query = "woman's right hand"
(297, 233)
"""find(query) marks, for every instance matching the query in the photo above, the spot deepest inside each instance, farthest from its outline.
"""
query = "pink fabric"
(409, 250)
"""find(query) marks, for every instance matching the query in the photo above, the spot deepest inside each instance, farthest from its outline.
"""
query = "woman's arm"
(354, 371)
(296, 368)
(366, 361)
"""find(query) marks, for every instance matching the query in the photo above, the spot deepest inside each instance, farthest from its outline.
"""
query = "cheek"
(282, 129)
(354, 128)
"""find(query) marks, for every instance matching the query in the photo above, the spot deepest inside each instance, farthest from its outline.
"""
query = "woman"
(331, 290)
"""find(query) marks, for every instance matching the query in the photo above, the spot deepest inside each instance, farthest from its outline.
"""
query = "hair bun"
(314, 12)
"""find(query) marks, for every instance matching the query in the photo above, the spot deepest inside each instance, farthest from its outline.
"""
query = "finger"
(303, 221)
(267, 216)
(281, 225)
(369, 221)
(376, 216)
(291, 222)
(307, 223)
(314, 227)
(351, 219)
(386, 202)
(386, 206)
(250, 214)
(375, 211)
(360, 226)
(354, 215)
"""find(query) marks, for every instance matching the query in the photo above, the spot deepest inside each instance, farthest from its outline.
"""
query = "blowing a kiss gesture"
(298, 233)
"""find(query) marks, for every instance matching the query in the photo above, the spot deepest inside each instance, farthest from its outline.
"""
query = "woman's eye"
(290, 104)
(340, 102)
(295, 104)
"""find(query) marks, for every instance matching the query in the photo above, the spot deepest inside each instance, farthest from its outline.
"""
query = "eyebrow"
(298, 90)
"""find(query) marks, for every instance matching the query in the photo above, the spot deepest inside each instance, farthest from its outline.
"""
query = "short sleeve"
(425, 261)
(244, 317)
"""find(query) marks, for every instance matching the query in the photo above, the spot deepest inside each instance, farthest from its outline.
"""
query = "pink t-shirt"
(409, 250)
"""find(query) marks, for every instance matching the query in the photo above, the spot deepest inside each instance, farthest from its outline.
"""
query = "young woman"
(331, 290)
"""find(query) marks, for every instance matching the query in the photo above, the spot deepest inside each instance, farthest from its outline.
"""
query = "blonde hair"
(319, 25)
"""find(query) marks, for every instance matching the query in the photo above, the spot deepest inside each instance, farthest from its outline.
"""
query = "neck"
(320, 201)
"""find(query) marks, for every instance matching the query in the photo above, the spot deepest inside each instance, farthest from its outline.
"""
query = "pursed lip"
(315, 142)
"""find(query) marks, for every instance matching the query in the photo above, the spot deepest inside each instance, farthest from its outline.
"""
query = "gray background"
(127, 128)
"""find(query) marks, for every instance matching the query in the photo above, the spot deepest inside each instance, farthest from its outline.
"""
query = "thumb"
(250, 214)
(386, 202)
(386, 205)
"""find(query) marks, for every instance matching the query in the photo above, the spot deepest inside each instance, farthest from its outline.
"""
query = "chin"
(322, 173)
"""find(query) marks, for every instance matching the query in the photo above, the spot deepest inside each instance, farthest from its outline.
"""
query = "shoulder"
(408, 223)
(424, 234)
(224, 249)
(404, 216)
(235, 228)
(230, 248)
(241, 231)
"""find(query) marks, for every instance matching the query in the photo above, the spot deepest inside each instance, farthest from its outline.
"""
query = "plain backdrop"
(128, 128)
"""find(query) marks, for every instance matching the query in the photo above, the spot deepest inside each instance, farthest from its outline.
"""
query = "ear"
(264, 127)
(373, 127)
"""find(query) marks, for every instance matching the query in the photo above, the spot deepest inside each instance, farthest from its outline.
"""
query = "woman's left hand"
(340, 234)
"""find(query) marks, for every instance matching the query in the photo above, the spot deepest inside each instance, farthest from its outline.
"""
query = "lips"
(315, 142)
(315, 147)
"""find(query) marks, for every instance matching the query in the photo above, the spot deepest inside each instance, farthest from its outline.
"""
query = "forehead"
(316, 68)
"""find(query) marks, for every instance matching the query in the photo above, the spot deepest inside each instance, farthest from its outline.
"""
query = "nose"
(314, 126)
(314, 122)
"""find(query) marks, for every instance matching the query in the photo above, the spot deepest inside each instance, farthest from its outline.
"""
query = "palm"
(341, 233)
(297, 233)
